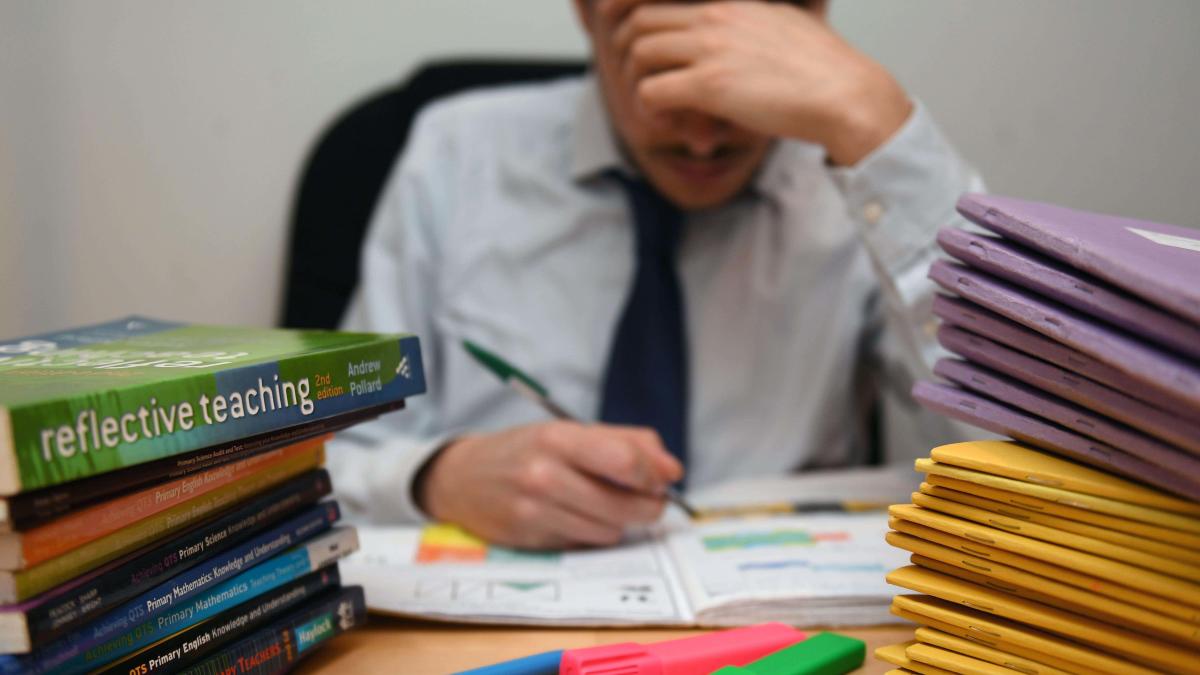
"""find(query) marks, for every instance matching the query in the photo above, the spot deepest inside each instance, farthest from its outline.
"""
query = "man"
(728, 319)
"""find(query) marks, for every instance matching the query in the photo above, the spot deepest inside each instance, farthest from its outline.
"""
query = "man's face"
(694, 159)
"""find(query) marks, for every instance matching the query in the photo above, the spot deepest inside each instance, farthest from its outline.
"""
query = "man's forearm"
(899, 196)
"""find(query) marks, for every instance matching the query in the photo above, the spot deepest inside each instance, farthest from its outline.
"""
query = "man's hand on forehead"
(770, 67)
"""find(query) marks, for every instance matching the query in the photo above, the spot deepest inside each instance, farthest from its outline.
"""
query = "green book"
(87, 401)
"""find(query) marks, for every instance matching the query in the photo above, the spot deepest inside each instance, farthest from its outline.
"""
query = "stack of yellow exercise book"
(1025, 561)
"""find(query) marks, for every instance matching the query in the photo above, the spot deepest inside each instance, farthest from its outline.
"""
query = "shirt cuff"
(375, 481)
(901, 193)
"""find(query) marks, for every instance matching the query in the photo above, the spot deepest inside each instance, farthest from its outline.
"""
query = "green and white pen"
(534, 391)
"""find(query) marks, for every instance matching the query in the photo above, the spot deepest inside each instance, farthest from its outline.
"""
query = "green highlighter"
(821, 654)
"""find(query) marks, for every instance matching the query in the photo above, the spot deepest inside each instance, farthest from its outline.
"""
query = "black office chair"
(346, 170)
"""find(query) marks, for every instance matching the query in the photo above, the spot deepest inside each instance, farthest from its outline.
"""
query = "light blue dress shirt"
(804, 296)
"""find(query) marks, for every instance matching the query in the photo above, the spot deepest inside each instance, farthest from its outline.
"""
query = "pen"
(536, 392)
(781, 508)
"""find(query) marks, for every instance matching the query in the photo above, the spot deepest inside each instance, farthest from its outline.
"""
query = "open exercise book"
(813, 569)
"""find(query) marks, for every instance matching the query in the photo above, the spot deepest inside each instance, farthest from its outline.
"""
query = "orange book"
(21, 550)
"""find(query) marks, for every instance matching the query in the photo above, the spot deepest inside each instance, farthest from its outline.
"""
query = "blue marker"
(538, 664)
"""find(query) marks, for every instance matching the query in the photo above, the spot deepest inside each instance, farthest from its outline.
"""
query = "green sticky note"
(821, 654)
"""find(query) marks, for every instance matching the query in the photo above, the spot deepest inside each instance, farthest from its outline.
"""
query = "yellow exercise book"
(1043, 589)
(1085, 582)
(1009, 459)
(998, 657)
(1011, 636)
(1117, 531)
(1148, 545)
(1140, 621)
(1080, 500)
(1167, 586)
(1135, 647)
(1168, 535)
(954, 662)
(1098, 547)
(897, 656)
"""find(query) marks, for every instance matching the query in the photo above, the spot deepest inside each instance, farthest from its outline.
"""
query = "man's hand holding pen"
(554, 484)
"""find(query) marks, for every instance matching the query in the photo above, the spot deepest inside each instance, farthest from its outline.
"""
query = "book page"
(883, 484)
(817, 569)
(441, 572)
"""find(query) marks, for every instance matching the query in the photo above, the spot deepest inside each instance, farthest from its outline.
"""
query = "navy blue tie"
(646, 381)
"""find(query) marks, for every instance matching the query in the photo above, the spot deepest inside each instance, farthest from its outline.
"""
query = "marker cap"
(698, 655)
(821, 654)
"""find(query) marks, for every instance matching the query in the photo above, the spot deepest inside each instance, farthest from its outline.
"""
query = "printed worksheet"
(802, 569)
(440, 571)
(819, 569)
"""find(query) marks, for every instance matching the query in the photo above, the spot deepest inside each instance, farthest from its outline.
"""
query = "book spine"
(28, 510)
(87, 601)
(175, 592)
(276, 648)
(76, 529)
(66, 656)
(70, 565)
(75, 437)
(187, 647)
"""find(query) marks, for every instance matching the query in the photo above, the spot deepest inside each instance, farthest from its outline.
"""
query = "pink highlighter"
(698, 655)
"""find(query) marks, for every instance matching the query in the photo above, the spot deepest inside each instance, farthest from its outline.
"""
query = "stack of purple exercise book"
(1079, 333)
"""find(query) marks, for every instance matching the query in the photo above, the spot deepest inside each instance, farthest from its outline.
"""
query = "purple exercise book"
(1050, 408)
(1012, 262)
(1160, 263)
(972, 317)
(999, 418)
(1167, 373)
(1177, 431)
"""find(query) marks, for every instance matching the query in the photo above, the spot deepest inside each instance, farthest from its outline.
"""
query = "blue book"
(198, 594)
(198, 642)
(277, 648)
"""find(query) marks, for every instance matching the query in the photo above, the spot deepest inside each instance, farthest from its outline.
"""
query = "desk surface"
(388, 645)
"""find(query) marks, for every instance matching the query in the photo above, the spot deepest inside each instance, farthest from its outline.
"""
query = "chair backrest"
(346, 170)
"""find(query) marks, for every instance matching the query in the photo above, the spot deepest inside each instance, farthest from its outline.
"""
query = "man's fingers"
(612, 12)
(602, 501)
(678, 89)
(546, 524)
(666, 465)
(661, 51)
(653, 18)
(596, 450)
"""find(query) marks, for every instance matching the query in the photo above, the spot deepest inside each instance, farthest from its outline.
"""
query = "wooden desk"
(388, 645)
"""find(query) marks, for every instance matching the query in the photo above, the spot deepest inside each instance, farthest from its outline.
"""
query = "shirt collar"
(596, 149)
(594, 144)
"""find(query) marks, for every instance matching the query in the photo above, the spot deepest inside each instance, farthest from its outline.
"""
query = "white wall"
(1089, 103)
(148, 148)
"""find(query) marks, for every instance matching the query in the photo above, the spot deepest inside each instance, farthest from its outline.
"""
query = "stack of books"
(162, 490)
(1075, 547)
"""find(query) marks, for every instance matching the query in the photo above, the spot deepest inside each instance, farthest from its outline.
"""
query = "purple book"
(1176, 431)
(1071, 287)
(972, 317)
(1160, 263)
(1066, 414)
(1167, 373)
(999, 418)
